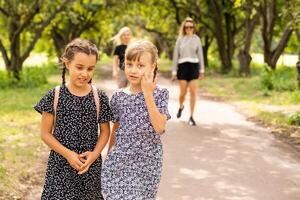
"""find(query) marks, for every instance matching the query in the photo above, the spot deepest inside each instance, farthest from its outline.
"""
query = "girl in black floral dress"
(74, 164)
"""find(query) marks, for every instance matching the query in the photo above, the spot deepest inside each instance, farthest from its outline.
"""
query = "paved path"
(225, 157)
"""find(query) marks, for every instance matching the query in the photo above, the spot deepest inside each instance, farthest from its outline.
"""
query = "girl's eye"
(90, 69)
(79, 68)
(140, 66)
(129, 65)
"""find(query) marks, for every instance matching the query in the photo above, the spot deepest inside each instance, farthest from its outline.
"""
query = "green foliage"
(283, 79)
(30, 77)
(294, 119)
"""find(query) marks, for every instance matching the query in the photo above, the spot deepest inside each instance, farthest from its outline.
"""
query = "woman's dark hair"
(77, 46)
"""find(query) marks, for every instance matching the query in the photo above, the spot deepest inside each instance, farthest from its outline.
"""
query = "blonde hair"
(117, 39)
(135, 50)
(182, 30)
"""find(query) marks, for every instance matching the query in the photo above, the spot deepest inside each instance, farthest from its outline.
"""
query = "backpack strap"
(97, 101)
(56, 96)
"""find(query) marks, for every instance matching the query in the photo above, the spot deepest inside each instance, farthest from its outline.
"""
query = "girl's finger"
(84, 154)
(79, 163)
(83, 171)
(85, 165)
(83, 160)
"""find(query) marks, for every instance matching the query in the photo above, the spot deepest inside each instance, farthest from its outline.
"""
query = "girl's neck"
(135, 88)
(78, 91)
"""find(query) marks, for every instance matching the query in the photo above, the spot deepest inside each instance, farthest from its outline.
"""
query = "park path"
(225, 157)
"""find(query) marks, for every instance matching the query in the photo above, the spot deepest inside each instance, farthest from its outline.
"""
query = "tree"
(82, 17)
(272, 20)
(225, 26)
(252, 16)
(24, 25)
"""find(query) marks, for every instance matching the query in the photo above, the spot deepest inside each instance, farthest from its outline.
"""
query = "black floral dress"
(133, 167)
(76, 129)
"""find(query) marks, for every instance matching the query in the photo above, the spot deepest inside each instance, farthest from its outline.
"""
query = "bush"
(29, 77)
(295, 119)
(282, 79)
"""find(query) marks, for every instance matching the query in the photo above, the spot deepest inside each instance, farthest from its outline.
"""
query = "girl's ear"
(66, 62)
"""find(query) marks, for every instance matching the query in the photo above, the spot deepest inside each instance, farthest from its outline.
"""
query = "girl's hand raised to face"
(147, 83)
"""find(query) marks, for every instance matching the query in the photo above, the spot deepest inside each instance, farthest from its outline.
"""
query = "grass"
(273, 106)
(20, 143)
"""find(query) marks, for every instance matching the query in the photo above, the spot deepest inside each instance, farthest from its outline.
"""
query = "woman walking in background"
(121, 39)
(188, 65)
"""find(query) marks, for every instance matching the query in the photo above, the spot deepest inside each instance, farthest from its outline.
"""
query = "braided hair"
(77, 46)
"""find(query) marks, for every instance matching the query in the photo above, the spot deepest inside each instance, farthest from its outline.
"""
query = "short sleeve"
(46, 103)
(105, 114)
(117, 51)
(114, 108)
(162, 102)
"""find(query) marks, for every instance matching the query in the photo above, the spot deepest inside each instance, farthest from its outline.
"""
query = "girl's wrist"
(148, 94)
(96, 154)
(67, 154)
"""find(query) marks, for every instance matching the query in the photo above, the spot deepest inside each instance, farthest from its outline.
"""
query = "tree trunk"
(207, 43)
(298, 72)
(224, 40)
(59, 43)
(244, 60)
(269, 15)
(244, 56)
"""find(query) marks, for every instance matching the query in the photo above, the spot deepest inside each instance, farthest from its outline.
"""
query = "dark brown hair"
(77, 46)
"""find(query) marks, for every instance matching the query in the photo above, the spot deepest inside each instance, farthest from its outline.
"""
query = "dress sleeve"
(117, 51)
(105, 114)
(114, 108)
(162, 102)
(46, 103)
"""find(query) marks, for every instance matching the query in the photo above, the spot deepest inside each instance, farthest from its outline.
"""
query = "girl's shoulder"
(118, 92)
(159, 91)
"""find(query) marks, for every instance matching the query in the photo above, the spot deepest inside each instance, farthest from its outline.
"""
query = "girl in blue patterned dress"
(74, 164)
(132, 169)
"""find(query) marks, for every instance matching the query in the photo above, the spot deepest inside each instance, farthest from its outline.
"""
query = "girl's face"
(81, 69)
(135, 70)
(189, 28)
(126, 37)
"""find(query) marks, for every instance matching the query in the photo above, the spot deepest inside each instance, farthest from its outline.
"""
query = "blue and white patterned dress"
(132, 169)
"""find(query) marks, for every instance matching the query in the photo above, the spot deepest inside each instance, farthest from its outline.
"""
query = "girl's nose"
(84, 73)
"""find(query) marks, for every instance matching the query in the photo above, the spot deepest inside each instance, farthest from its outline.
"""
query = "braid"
(155, 72)
(63, 74)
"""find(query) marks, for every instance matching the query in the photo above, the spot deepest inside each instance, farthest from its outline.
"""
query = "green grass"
(20, 143)
(253, 91)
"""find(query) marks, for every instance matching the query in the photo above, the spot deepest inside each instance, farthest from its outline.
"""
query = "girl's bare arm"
(54, 144)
